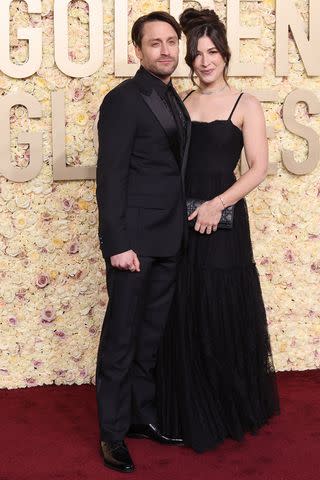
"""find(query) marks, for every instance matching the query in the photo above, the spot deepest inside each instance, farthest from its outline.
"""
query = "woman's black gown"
(215, 374)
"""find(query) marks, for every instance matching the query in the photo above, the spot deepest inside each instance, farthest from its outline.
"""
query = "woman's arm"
(256, 149)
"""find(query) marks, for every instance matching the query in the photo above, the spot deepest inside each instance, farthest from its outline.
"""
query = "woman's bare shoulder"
(250, 100)
(252, 110)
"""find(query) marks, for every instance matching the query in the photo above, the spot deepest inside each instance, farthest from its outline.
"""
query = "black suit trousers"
(139, 304)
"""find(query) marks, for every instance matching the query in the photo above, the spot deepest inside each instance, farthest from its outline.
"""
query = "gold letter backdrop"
(52, 289)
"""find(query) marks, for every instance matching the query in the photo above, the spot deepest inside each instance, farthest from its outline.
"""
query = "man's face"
(159, 52)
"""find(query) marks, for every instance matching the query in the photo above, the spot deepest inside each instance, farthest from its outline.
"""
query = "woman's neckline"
(228, 120)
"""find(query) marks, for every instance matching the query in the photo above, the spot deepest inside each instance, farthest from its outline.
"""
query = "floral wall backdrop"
(52, 289)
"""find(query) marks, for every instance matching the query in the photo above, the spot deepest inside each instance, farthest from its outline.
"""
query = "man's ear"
(138, 52)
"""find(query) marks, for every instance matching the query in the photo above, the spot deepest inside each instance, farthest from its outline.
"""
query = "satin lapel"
(185, 147)
(159, 110)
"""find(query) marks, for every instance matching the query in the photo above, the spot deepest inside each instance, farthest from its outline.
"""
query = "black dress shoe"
(116, 456)
(153, 433)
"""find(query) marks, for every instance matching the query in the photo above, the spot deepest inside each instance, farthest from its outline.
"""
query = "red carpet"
(51, 433)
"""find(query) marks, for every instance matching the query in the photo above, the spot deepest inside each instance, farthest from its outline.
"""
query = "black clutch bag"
(226, 220)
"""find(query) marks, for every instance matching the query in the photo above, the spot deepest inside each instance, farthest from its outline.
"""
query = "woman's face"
(208, 64)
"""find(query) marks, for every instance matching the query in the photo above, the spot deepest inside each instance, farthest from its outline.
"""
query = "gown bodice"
(214, 152)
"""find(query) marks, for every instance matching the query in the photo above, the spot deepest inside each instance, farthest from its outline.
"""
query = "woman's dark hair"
(204, 23)
(137, 28)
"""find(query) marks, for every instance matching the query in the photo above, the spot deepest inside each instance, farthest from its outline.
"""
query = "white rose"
(22, 201)
(9, 294)
(7, 230)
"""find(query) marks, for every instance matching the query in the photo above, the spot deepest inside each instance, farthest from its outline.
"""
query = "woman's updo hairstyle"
(204, 23)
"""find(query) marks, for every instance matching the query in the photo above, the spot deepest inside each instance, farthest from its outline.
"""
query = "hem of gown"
(214, 445)
(218, 389)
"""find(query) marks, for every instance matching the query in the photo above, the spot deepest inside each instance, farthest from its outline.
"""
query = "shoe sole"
(118, 469)
(146, 437)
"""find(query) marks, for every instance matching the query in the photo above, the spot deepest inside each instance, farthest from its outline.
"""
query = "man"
(143, 131)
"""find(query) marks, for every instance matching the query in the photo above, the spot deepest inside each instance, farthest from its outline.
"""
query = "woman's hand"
(208, 216)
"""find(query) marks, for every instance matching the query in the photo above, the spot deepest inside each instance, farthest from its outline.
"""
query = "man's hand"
(126, 261)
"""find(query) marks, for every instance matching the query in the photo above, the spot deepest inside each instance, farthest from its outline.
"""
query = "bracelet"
(223, 204)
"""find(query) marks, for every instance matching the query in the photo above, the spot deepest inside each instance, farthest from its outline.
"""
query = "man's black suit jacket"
(140, 191)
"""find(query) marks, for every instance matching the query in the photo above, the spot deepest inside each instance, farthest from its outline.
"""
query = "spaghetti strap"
(188, 95)
(235, 106)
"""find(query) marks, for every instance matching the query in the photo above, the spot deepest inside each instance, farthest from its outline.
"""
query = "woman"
(215, 372)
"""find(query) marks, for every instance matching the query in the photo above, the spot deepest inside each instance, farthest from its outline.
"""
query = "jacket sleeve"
(116, 131)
